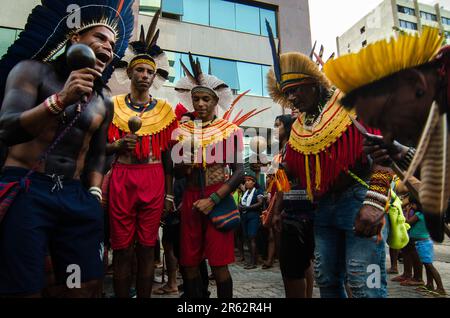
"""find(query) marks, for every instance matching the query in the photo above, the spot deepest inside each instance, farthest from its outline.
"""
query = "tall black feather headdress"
(50, 25)
(146, 48)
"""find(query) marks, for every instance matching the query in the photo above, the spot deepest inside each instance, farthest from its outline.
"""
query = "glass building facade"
(240, 76)
(7, 37)
(224, 14)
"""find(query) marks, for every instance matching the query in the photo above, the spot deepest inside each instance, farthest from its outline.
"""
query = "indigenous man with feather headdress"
(323, 150)
(401, 86)
(141, 183)
(208, 144)
(42, 99)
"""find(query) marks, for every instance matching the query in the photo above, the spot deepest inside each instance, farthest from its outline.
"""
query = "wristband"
(52, 105)
(97, 192)
(215, 198)
(375, 205)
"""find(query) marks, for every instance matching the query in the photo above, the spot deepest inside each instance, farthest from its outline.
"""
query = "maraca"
(134, 124)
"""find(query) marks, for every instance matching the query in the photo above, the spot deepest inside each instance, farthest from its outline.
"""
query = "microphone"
(81, 56)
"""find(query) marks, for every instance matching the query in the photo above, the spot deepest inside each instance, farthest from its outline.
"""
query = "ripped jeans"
(343, 258)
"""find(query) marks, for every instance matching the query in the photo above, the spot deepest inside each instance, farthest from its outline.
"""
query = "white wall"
(14, 14)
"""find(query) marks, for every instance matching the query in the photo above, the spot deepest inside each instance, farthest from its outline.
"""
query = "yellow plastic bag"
(398, 236)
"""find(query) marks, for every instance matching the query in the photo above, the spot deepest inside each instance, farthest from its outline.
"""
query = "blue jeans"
(342, 257)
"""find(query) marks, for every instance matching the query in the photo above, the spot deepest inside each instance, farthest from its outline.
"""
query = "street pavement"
(267, 283)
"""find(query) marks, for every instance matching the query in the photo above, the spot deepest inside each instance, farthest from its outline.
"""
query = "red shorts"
(199, 238)
(136, 202)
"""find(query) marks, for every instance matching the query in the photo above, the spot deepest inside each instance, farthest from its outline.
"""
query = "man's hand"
(127, 143)
(383, 154)
(204, 206)
(276, 222)
(242, 208)
(79, 83)
(368, 222)
(168, 206)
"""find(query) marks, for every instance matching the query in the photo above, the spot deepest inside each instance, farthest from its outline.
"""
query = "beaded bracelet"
(377, 195)
(53, 105)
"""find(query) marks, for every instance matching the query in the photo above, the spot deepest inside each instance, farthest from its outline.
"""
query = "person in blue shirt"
(424, 246)
(251, 207)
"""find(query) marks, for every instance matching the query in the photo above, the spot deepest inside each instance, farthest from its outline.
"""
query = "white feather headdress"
(197, 80)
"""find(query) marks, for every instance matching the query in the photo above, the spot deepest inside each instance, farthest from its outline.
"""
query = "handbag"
(398, 236)
(225, 215)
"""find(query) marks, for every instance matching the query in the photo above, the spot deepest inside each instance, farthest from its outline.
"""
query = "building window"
(362, 30)
(248, 19)
(406, 10)
(149, 6)
(196, 11)
(364, 43)
(265, 70)
(270, 16)
(428, 16)
(173, 7)
(250, 77)
(239, 76)
(222, 14)
(408, 25)
(225, 14)
(7, 37)
(446, 21)
(447, 37)
(226, 70)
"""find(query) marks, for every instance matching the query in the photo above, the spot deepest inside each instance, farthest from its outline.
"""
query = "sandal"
(392, 271)
(437, 294)
(250, 266)
(165, 290)
(400, 278)
(412, 283)
(266, 266)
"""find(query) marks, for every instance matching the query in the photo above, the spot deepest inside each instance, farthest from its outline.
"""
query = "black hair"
(412, 199)
(287, 122)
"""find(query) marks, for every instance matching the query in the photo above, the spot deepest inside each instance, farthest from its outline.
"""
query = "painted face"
(399, 113)
(204, 105)
(304, 98)
(141, 76)
(102, 41)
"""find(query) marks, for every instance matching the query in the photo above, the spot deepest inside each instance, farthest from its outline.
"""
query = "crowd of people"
(85, 172)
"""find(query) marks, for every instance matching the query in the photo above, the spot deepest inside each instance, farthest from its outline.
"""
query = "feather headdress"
(197, 80)
(145, 50)
(291, 69)
(50, 25)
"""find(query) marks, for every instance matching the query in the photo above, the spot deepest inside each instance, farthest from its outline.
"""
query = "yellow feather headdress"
(296, 68)
(383, 58)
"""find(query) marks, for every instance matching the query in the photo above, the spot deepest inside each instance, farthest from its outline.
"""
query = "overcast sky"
(331, 18)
